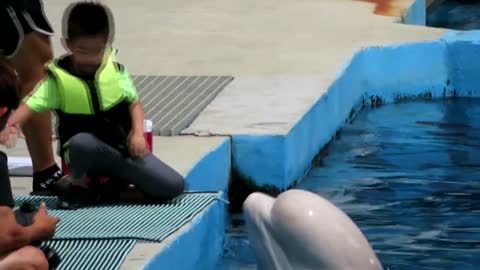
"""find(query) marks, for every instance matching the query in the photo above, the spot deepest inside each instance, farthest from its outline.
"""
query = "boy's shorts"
(18, 18)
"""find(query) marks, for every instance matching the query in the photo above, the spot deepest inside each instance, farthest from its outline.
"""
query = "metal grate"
(142, 222)
(91, 254)
(173, 102)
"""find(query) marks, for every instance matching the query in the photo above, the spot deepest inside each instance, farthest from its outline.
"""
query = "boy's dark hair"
(87, 18)
(9, 85)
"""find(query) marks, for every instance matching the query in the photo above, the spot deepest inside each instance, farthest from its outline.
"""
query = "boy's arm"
(136, 108)
(44, 97)
(137, 115)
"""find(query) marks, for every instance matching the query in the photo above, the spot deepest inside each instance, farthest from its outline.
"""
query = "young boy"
(100, 117)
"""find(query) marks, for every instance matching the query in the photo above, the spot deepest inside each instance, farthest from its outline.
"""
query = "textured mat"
(91, 254)
(173, 102)
(143, 222)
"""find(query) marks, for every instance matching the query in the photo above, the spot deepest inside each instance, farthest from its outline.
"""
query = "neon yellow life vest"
(75, 93)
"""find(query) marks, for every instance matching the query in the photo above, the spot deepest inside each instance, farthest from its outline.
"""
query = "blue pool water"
(409, 176)
(454, 14)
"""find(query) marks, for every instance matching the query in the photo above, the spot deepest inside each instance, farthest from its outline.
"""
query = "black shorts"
(18, 18)
(6, 197)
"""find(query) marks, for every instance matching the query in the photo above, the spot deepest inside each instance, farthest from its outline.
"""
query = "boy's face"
(87, 53)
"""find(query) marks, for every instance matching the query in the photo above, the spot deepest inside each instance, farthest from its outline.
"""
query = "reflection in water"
(409, 176)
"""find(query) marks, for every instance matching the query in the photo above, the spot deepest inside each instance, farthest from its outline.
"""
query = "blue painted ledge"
(212, 171)
(384, 74)
(416, 13)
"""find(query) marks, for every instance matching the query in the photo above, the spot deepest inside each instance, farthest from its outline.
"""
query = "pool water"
(455, 14)
(409, 176)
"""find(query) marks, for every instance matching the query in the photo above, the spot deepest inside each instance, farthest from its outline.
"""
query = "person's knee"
(169, 186)
(29, 61)
(32, 258)
(45, 45)
(81, 144)
(177, 184)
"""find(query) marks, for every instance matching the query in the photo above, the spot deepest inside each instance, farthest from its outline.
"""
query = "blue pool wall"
(416, 13)
(463, 52)
(212, 171)
(199, 246)
(444, 67)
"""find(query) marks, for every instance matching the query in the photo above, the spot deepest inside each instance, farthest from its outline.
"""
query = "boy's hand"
(137, 145)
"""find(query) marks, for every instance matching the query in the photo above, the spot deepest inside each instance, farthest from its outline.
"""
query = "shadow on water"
(409, 176)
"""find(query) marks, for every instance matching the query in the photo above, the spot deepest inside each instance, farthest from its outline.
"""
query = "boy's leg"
(86, 154)
(155, 178)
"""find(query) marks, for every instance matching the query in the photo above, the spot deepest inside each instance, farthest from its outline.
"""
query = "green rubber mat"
(91, 254)
(142, 222)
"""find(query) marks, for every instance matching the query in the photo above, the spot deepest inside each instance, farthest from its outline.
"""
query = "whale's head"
(301, 230)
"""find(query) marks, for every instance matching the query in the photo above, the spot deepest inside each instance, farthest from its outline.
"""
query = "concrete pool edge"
(198, 245)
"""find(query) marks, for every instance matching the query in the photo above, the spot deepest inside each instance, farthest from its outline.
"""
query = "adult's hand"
(45, 225)
(9, 135)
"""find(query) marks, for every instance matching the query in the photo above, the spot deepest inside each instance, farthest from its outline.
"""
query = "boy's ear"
(65, 44)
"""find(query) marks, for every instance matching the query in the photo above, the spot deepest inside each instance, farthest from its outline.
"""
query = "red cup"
(148, 133)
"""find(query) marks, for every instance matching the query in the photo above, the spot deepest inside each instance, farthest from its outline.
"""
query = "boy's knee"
(82, 143)
(176, 185)
(179, 185)
(167, 187)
